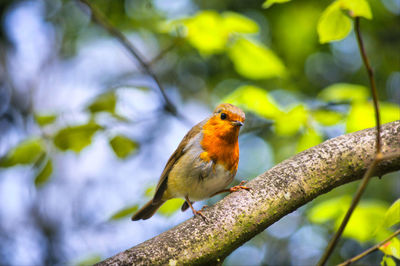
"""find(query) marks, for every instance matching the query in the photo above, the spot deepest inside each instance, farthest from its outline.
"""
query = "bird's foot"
(239, 187)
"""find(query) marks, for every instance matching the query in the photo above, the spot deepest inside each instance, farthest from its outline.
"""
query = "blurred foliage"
(123, 146)
(27, 152)
(125, 212)
(365, 225)
(75, 138)
(261, 55)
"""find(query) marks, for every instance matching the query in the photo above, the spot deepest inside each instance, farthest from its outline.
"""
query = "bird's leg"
(233, 189)
(193, 210)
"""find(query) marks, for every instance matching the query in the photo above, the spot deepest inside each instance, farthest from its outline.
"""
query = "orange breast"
(220, 142)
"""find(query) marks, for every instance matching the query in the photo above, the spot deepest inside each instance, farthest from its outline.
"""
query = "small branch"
(164, 52)
(378, 155)
(102, 21)
(370, 250)
(370, 73)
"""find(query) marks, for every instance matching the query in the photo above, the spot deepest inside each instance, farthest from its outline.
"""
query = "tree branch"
(102, 21)
(370, 250)
(281, 190)
(378, 155)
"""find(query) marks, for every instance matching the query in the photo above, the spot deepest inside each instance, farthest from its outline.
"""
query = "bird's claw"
(239, 187)
(199, 213)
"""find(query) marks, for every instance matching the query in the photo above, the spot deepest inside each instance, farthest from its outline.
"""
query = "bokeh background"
(85, 132)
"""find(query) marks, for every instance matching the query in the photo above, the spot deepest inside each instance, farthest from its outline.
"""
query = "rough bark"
(281, 190)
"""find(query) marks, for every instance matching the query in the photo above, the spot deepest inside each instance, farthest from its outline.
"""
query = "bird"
(203, 165)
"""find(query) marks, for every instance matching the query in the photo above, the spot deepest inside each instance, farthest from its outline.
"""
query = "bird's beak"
(237, 123)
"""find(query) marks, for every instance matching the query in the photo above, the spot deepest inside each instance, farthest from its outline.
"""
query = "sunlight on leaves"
(310, 138)
(237, 23)
(344, 92)
(256, 100)
(364, 220)
(123, 146)
(357, 8)
(103, 103)
(392, 248)
(44, 120)
(254, 60)
(362, 115)
(327, 117)
(209, 31)
(44, 175)
(289, 123)
(333, 25)
(269, 3)
(329, 209)
(75, 138)
(171, 206)
(26, 152)
(125, 212)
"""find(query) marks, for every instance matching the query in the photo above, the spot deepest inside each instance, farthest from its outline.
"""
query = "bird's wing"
(162, 183)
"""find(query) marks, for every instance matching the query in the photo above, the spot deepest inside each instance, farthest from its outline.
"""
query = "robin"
(204, 163)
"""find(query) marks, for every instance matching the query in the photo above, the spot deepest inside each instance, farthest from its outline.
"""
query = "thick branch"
(284, 188)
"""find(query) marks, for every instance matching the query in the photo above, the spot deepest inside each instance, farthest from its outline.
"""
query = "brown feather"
(162, 183)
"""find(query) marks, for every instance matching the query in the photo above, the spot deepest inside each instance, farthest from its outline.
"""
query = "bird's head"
(225, 121)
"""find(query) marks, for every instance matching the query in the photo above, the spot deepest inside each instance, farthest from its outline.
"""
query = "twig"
(164, 52)
(370, 73)
(370, 250)
(101, 20)
(378, 155)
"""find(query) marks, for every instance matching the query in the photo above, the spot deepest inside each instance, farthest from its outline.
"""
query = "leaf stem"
(378, 156)
(370, 250)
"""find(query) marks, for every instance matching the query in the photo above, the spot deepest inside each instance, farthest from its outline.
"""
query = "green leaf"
(209, 32)
(289, 123)
(269, 3)
(392, 248)
(89, 260)
(75, 138)
(310, 138)
(26, 152)
(392, 216)
(344, 92)
(103, 103)
(170, 207)
(333, 25)
(44, 175)
(363, 222)
(44, 120)
(256, 100)
(236, 23)
(357, 8)
(254, 60)
(329, 209)
(123, 146)
(327, 117)
(387, 261)
(362, 115)
(125, 212)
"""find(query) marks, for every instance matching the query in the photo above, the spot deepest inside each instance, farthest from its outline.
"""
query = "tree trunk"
(279, 191)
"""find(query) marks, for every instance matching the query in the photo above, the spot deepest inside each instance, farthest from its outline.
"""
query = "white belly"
(195, 178)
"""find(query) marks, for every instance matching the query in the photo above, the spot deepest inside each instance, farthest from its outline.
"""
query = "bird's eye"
(223, 116)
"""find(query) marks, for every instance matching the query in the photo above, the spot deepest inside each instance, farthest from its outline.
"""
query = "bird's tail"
(147, 210)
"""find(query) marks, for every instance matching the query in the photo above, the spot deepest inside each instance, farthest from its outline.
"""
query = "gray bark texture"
(279, 191)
